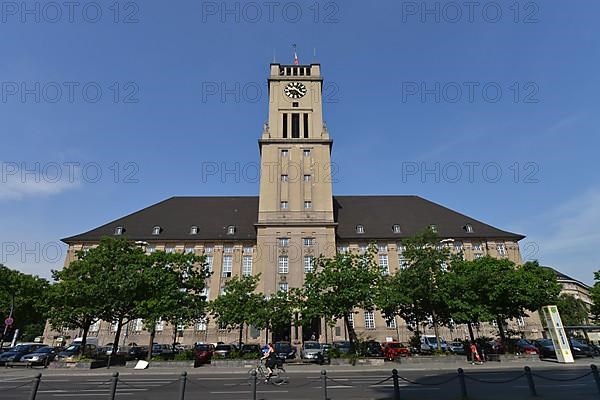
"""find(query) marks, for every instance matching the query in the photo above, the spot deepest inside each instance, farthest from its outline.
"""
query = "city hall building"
(295, 218)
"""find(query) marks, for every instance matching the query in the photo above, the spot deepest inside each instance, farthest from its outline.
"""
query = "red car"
(203, 353)
(392, 350)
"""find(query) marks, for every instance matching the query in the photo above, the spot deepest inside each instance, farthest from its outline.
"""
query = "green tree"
(177, 282)
(275, 312)
(573, 311)
(239, 305)
(339, 285)
(595, 296)
(24, 297)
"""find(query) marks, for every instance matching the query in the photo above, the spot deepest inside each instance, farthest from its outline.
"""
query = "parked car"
(224, 350)
(545, 348)
(253, 349)
(285, 350)
(393, 350)
(310, 350)
(42, 356)
(19, 351)
(203, 353)
(457, 348)
(137, 352)
(429, 344)
(373, 349)
(161, 349)
(343, 346)
(523, 346)
(73, 351)
(580, 349)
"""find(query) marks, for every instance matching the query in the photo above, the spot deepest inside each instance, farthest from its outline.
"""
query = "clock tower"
(295, 218)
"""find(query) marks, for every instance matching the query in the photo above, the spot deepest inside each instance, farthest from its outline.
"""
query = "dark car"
(580, 349)
(137, 352)
(42, 356)
(224, 350)
(523, 346)
(457, 348)
(73, 351)
(15, 354)
(162, 349)
(285, 350)
(343, 346)
(203, 353)
(253, 349)
(373, 349)
(545, 348)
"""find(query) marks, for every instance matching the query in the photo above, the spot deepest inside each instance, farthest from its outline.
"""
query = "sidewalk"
(300, 368)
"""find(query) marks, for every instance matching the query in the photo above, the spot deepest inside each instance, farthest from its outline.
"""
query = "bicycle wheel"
(280, 377)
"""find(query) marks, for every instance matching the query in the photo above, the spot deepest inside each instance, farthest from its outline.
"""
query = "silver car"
(310, 350)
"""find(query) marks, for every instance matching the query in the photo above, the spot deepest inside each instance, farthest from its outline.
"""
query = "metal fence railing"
(253, 382)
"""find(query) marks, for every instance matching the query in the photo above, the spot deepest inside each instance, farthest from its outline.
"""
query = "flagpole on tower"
(296, 62)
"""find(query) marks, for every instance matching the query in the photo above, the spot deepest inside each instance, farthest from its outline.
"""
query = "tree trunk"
(86, 328)
(152, 337)
(500, 323)
(115, 346)
(471, 332)
(351, 333)
(241, 335)
(436, 331)
(174, 338)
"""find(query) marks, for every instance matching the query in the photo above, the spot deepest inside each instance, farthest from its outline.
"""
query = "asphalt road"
(343, 385)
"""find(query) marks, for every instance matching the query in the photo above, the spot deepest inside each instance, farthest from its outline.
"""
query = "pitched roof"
(566, 278)
(212, 215)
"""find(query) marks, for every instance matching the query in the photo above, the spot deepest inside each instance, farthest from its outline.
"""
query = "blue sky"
(527, 109)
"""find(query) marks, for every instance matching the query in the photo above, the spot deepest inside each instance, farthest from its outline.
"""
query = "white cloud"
(18, 181)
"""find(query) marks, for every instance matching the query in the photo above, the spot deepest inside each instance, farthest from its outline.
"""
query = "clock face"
(295, 90)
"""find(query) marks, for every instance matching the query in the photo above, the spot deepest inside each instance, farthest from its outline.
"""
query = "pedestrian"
(475, 354)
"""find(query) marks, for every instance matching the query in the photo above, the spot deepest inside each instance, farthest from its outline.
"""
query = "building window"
(478, 255)
(284, 178)
(360, 229)
(351, 319)
(295, 126)
(308, 264)
(362, 248)
(306, 152)
(476, 246)
(95, 327)
(306, 126)
(283, 205)
(247, 266)
(307, 204)
(150, 249)
(382, 248)
(228, 249)
(227, 266)
(284, 153)
(138, 325)
(156, 230)
(295, 104)
(206, 293)
(160, 325)
(248, 249)
(396, 228)
(283, 242)
(458, 247)
(433, 228)
(383, 264)
(194, 230)
(369, 320)
(201, 325)
(231, 230)
(402, 262)
(520, 321)
(170, 249)
(468, 228)
(308, 241)
(342, 249)
(391, 323)
(285, 128)
(283, 286)
(118, 231)
(307, 178)
(208, 249)
(189, 250)
(501, 248)
(283, 265)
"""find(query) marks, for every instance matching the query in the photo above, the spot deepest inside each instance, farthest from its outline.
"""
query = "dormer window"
(231, 230)
(396, 228)
(468, 228)
(118, 231)
(156, 231)
(194, 230)
(360, 229)
(433, 228)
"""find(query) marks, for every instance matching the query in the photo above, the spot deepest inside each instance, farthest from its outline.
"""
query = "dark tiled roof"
(212, 215)
(564, 278)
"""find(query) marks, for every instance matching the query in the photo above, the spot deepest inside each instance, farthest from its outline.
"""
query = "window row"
(157, 230)
(360, 228)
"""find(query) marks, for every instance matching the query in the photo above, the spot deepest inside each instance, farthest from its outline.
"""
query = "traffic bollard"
(463, 384)
(324, 383)
(182, 382)
(596, 376)
(253, 383)
(36, 385)
(396, 384)
(530, 382)
(113, 385)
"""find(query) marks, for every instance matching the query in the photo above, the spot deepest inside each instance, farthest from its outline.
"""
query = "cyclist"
(271, 360)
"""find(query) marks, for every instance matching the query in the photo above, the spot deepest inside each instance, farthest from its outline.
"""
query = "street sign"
(557, 334)
(9, 321)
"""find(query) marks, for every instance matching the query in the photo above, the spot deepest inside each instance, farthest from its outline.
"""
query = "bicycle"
(278, 378)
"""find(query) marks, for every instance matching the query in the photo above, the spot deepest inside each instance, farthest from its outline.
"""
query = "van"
(429, 344)
(89, 340)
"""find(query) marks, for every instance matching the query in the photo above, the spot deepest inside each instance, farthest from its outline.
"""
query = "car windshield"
(576, 343)
(394, 345)
(251, 347)
(202, 347)
(523, 342)
(343, 344)
(72, 347)
(456, 344)
(432, 340)
(312, 346)
(22, 347)
(223, 347)
(44, 350)
(545, 342)
(283, 347)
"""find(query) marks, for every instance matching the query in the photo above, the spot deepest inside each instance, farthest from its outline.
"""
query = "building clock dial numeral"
(295, 90)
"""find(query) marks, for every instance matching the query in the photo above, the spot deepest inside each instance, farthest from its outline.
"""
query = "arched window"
(396, 228)
(156, 230)
(194, 230)
(231, 230)
(468, 228)
(360, 229)
(118, 231)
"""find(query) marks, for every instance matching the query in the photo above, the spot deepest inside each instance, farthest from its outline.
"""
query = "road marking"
(248, 391)
(88, 394)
